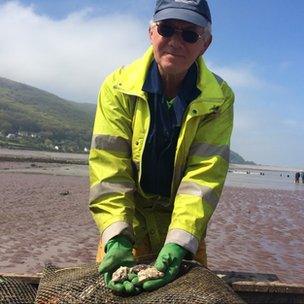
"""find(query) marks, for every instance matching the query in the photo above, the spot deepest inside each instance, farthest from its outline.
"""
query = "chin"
(172, 67)
(174, 70)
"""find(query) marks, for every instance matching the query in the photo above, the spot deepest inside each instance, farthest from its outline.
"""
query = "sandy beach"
(44, 218)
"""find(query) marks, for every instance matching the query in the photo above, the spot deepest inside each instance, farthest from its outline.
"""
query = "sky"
(67, 47)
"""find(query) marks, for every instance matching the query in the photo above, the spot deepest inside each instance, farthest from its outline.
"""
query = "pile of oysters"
(144, 273)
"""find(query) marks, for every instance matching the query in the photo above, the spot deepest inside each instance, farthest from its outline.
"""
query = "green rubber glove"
(119, 253)
(123, 288)
(168, 261)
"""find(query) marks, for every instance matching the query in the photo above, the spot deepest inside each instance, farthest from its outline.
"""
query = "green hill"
(238, 159)
(42, 116)
(40, 120)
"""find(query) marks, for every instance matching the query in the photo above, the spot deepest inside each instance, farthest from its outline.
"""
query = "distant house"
(27, 134)
(23, 134)
(10, 136)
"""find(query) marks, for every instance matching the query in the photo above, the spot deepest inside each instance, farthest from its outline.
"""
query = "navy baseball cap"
(193, 11)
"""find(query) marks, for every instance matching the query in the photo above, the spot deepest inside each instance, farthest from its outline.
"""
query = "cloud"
(267, 137)
(71, 56)
(239, 76)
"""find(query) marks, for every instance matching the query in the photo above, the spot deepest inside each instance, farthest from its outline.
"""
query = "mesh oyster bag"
(13, 291)
(85, 285)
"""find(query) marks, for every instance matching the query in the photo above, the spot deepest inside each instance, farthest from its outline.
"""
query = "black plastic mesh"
(85, 285)
(13, 291)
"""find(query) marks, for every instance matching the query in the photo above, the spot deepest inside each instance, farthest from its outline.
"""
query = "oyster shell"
(149, 273)
(120, 274)
(137, 268)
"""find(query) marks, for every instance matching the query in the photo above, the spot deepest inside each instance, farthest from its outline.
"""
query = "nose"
(176, 39)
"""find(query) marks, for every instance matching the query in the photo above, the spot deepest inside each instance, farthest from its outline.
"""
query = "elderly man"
(160, 148)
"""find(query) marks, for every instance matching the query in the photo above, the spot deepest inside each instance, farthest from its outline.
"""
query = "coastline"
(82, 158)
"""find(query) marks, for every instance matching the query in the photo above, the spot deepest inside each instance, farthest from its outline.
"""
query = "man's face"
(174, 55)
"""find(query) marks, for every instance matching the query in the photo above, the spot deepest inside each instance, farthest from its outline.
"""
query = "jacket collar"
(132, 78)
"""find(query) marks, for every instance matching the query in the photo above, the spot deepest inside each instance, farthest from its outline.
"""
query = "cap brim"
(181, 14)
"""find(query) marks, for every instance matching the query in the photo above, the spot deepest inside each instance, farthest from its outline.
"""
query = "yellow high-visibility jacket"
(201, 162)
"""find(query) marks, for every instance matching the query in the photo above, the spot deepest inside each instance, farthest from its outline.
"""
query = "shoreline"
(82, 158)
(42, 156)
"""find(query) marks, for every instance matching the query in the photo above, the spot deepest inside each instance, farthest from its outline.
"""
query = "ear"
(208, 41)
(150, 34)
(206, 44)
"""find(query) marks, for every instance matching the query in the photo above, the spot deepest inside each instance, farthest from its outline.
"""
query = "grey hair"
(207, 28)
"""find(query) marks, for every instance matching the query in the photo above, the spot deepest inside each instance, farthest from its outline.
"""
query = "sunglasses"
(167, 31)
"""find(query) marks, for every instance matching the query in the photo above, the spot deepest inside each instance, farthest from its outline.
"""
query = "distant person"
(297, 177)
(302, 176)
(160, 148)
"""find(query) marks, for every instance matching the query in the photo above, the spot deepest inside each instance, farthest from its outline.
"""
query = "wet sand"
(260, 231)
(44, 217)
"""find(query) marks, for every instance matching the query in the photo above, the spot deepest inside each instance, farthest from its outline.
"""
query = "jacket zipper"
(183, 126)
(146, 133)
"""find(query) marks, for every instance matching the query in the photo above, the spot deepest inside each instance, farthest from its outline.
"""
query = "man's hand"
(168, 261)
(118, 253)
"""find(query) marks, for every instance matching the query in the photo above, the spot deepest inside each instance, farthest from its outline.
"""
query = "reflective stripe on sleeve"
(105, 188)
(116, 228)
(198, 190)
(205, 150)
(182, 238)
(111, 143)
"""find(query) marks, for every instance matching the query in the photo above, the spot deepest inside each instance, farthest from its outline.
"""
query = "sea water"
(263, 179)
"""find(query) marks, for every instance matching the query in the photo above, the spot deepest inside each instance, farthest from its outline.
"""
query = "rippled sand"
(45, 218)
(259, 230)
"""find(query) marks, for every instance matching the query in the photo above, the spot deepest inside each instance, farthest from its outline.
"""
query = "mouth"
(174, 54)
